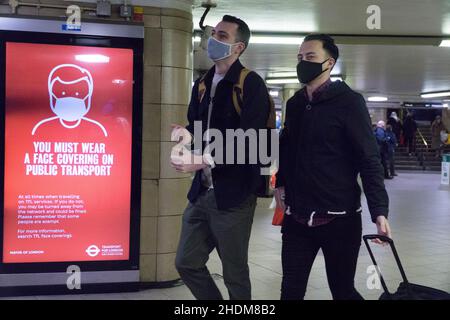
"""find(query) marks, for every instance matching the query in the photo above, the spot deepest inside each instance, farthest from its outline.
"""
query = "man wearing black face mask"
(326, 142)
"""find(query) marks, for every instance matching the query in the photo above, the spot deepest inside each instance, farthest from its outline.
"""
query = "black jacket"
(409, 127)
(391, 142)
(323, 147)
(233, 183)
(396, 126)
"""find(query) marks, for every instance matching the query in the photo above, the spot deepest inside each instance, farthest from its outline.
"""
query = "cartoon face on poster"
(68, 140)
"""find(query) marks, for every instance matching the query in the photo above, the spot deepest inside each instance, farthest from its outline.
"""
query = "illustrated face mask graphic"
(70, 108)
(70, 89)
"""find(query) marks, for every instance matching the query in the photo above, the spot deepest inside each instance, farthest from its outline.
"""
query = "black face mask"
(307, 71)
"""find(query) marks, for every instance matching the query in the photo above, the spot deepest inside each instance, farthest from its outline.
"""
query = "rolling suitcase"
(406, 290)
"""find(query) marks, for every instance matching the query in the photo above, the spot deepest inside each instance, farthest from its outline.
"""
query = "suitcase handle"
(378, 236)
(366, 239)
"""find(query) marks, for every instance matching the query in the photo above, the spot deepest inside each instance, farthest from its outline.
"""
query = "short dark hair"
(243, 31)
(327, 43)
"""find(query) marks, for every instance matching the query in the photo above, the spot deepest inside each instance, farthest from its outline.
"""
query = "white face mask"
(70, 108)
(218, 50)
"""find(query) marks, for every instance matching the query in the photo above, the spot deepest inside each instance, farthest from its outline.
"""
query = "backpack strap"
(238, 96)
(238, 91)
(238, 99)
(201, 88)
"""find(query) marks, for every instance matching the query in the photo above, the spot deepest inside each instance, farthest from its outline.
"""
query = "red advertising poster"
(68, 140)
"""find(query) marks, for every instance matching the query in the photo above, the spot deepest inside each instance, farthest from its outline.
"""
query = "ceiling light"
(336, 78)
(282, 81)
(269, 40)
(445, 43)
(282, 74)
(276, 40)
(377, 99)
(290, 78)
(435, 94)
(445, 105)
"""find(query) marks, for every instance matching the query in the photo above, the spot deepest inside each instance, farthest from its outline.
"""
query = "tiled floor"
(420, 221)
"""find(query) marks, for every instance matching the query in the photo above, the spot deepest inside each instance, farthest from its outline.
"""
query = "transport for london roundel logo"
(92, 251)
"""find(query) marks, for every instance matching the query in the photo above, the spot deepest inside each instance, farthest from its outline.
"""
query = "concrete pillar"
(168, 64)
(377, 114)
(287, 93)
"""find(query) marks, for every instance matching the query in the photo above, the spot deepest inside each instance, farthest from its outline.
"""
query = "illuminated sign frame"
(51, 277)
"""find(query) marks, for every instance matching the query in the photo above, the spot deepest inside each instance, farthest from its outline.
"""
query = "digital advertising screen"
(68, 125)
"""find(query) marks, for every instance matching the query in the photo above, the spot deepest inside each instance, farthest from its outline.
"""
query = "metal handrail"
(423, 139)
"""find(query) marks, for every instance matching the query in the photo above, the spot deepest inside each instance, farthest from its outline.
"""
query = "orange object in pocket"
(278, 216)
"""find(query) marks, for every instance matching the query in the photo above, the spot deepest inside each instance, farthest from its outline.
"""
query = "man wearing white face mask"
(73, 101)
(222, 198)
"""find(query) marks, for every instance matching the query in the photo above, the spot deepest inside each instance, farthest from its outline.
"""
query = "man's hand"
(180, 134)
(176, 131)
(184, 161)
(176, 126)
(188, 168)
(383, 229)
(279, 198)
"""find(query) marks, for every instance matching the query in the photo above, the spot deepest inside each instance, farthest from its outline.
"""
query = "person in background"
(409, 132)
(382, 140)
(392, 143)
(278, 122)
(396, 125)
(436, 144)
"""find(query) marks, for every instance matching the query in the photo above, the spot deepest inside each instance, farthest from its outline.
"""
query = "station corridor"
(420, 221)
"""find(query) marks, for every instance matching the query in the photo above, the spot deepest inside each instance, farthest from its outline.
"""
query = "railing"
(418, 130)
(420, 154)
(423, 139)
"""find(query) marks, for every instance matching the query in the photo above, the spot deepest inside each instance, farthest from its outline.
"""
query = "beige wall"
(377, 114)
(168, 64)
(167, 83)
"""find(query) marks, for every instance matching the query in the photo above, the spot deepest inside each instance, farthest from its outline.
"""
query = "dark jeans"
(205, 228)
(339, 240)
(384, 162)
(391, 160)
(411, 144)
